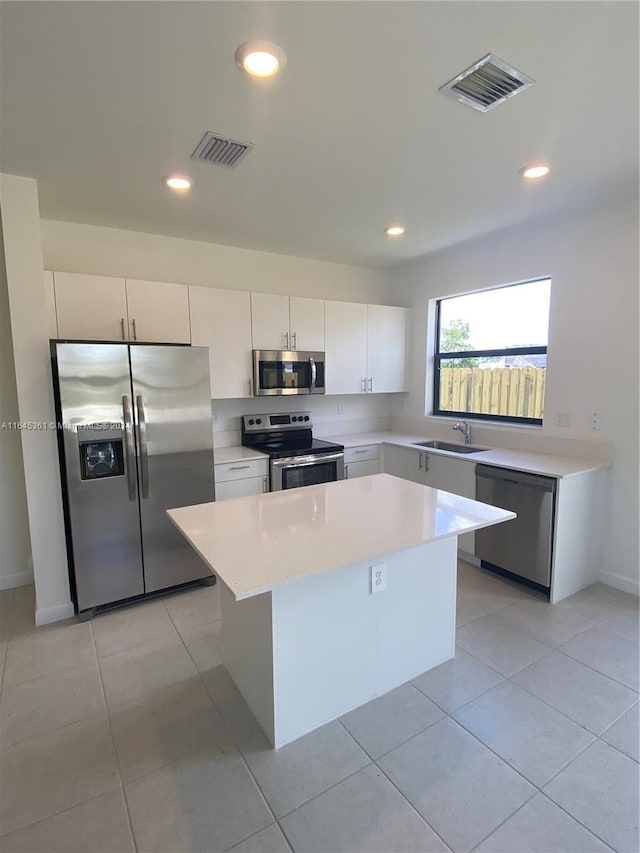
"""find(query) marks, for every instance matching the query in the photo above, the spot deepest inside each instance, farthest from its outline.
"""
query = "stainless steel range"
(296, 457)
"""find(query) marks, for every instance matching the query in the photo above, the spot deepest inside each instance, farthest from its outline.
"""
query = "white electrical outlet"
(594, 421)
(563, 419)
(378, 577)
(340, 408)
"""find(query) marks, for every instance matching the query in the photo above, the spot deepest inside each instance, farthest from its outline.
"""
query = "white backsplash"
(331, 414)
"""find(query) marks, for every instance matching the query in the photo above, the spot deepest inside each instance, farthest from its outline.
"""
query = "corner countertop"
(548, 465)
(256, 543)
(225, 455)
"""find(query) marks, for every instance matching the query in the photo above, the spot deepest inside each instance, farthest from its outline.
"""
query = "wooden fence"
(515, 391)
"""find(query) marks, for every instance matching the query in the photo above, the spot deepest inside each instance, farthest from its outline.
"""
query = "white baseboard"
(620, 582)
(17, 579)
(54, 614)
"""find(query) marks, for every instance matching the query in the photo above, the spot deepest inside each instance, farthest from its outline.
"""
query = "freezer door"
(99, 472)
(172, 411)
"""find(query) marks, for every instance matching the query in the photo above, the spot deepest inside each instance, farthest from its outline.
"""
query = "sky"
(517, 315)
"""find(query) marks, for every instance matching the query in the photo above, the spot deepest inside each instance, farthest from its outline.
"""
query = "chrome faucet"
(465, 429)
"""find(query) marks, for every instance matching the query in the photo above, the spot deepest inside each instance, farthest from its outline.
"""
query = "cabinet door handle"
(346, 472)
(265, 484)
(361, 451)
(294, 340)
(249, 387)
(122, 328)
(420, 462)
(286, 337)
(364, 384)
(426, 462)
(239, 467)
(370, 383)
(135, 333)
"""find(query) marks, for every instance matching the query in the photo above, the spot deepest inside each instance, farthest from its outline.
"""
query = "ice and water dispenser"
(101, 452)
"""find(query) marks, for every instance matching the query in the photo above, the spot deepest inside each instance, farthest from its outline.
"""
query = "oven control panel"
(264, 423)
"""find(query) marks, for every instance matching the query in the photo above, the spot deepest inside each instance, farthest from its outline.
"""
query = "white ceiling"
(100, 100)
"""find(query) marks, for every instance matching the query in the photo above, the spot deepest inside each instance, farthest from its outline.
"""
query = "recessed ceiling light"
(260, 58)
(394, 230)
(534, 171)
(178, 182)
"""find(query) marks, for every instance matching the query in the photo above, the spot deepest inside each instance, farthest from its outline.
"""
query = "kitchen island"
(332, 595)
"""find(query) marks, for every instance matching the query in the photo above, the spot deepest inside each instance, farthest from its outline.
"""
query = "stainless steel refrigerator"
(135, 440)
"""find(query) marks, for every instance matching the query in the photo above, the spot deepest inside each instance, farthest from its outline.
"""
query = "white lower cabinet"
(440, 472)
(241, 478)
(361, 461)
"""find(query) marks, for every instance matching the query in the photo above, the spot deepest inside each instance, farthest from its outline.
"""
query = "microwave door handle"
(128, 446)
(144, 449)
(313, 375)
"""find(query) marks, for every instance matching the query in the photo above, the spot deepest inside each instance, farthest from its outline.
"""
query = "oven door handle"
(313, 375)
(306, 461)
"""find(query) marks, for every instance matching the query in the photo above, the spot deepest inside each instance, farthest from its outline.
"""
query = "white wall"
(592, 363)
(14, 525)
(29, 329)
(71, 247)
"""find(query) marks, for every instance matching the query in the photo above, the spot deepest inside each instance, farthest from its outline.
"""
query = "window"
(491, 353)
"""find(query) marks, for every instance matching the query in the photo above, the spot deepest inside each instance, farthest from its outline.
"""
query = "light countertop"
(258, 542)
(520, 460)
(225, 455)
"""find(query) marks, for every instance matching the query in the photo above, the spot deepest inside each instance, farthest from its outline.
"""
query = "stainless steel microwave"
(283, 372)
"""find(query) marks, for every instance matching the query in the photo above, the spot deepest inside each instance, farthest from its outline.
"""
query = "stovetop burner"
(282, 435)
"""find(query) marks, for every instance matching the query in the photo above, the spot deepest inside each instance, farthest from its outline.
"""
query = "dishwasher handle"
(518, 478)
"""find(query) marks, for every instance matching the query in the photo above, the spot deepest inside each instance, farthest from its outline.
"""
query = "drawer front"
(361, 469)
(242, 488)
(241, 470)
(361, 454)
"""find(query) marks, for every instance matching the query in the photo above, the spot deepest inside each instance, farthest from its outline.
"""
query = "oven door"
(295, 471)
(281, 373)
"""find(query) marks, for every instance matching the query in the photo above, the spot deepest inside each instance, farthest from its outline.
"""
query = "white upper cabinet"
(306, 323)
(158, 312)
(366, 348)
(287, 323)
(270, 321)
(386, 348)
(91, 307)
(104, 308)
(346, 347)
(221, 320)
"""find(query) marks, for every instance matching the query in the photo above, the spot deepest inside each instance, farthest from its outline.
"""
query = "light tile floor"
(127, 734)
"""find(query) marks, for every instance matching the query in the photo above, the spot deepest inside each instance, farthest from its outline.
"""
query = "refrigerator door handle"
(128, 446)
(144, 455)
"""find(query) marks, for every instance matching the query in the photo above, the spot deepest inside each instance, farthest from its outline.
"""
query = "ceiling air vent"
(486, 83)
(220, 151)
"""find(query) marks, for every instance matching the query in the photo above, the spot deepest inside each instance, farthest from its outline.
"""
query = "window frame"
(438, 357)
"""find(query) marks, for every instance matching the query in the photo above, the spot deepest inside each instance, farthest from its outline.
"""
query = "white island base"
(306, 636)
(312, 649)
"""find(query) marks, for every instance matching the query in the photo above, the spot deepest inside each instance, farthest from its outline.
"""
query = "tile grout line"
(113, 743)
(117, 786)
(374, 763)
(562, 713)
(4, 835)
(566, 654)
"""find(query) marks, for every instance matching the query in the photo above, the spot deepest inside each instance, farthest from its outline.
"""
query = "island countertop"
(258, 542)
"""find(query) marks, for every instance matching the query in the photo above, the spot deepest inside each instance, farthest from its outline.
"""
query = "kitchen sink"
(452, 448)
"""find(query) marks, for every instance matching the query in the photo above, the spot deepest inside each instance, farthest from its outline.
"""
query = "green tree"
(455, 338)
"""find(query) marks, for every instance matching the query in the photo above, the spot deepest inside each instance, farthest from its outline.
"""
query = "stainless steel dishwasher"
(523, 546)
